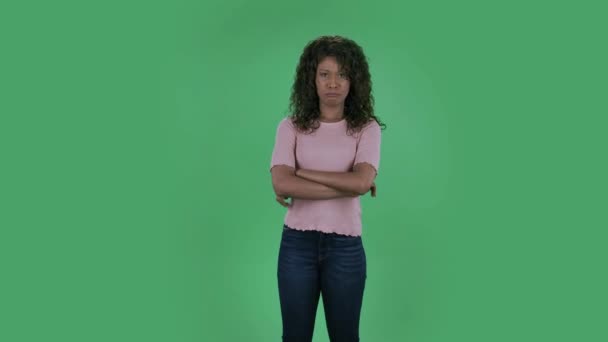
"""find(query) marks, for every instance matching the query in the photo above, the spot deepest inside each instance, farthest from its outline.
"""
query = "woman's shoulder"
(287, 120)
(286, 124)
(371, 124)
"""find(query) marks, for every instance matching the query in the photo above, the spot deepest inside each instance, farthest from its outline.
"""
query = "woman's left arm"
(359, 180)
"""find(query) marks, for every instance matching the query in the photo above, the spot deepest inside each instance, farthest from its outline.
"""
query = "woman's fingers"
(281, 201)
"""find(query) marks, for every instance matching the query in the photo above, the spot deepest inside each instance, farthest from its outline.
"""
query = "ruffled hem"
(322, 229)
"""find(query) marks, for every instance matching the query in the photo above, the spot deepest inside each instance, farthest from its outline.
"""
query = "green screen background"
(136, 202)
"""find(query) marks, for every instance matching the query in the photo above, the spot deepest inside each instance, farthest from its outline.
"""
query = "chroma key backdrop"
(136, 201)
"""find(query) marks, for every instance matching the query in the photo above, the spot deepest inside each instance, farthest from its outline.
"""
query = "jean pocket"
(346, 240)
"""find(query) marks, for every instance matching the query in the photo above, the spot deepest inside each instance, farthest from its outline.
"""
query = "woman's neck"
(331, 114)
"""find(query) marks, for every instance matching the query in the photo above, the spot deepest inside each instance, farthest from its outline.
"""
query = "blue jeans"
(311, 263)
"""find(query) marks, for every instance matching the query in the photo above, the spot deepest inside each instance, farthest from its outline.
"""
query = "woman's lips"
(333, 95)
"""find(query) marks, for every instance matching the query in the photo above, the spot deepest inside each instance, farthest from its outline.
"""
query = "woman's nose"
(332, 83)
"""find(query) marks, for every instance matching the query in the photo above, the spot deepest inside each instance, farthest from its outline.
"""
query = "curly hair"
(304, 101)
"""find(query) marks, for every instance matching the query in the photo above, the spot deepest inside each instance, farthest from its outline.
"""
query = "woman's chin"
(333, 101)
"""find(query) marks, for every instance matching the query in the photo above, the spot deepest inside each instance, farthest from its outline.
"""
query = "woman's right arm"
(287, 184)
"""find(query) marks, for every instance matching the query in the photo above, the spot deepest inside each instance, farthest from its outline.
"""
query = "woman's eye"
(324, 74)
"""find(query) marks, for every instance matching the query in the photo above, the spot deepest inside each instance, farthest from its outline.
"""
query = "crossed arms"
(309, 184)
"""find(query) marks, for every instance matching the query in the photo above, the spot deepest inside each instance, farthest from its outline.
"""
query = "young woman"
(326, 155)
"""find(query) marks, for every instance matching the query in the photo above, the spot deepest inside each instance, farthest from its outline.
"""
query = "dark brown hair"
(304, 101)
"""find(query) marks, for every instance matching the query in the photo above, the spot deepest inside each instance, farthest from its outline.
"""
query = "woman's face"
(332, 83)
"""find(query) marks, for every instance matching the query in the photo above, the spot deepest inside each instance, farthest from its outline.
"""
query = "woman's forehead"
(329, 63)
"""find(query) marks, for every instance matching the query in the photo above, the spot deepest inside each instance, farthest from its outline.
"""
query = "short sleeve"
(368, 146)
(284, 145)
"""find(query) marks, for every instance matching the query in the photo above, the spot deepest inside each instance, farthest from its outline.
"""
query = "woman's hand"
(282, 202)
(373, 189)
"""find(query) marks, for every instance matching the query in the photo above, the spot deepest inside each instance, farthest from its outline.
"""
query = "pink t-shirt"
(328, 148)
